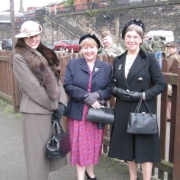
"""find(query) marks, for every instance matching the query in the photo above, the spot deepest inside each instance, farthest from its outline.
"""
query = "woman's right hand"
(96, 105)
(91, 98)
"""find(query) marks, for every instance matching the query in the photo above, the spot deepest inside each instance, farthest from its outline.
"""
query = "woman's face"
(89, 52)
(33, 41)
(132, 40)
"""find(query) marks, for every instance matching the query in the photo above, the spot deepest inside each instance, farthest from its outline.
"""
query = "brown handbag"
(142, 123)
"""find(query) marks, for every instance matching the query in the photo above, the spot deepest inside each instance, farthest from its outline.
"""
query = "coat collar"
(138, 64)
(96, 69)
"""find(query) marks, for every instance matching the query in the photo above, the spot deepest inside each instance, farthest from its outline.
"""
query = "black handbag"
(103, 115)
(58, 146)
(142, 123)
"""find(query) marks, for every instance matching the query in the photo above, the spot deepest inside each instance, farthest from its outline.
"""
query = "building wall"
(159, 17)
(156, 16)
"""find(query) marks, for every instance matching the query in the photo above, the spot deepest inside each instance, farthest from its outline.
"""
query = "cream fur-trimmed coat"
(38, 102)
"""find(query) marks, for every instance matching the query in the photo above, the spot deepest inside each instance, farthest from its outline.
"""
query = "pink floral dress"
(85, 139)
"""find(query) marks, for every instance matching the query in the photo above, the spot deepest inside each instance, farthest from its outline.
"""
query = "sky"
(26, 3)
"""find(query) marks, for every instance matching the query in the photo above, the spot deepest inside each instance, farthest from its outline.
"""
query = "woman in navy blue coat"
(136, 74)
(87, 82)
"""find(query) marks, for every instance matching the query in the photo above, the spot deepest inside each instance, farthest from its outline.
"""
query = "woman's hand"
(58, 113)
(96, 105)
(91, 98)
(135, 96)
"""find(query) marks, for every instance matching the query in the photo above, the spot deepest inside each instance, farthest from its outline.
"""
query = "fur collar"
(44, 64)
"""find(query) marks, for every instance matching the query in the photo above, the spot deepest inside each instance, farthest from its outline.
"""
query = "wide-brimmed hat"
(92, 36)
(172, 44)
(133, 21)
(28, 29)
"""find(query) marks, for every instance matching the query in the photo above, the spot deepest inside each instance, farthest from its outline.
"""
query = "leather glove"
(91, 98)
(121, 93)
(58, 113)
(135, 96)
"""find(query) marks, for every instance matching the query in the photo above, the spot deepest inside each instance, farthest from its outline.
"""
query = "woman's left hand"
(96, 105)
(135, 96)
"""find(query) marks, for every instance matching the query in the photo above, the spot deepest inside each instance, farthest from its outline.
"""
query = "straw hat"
(29, 28)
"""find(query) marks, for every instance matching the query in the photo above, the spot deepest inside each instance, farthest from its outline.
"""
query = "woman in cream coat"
(36, 69)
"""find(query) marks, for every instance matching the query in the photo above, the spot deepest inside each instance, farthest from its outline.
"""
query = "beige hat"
(29, 28)
(172, 44)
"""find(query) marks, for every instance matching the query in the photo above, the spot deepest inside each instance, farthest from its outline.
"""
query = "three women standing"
(136, 74)
(87, 82)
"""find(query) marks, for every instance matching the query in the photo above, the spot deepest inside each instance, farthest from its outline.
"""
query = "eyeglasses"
(135, 38)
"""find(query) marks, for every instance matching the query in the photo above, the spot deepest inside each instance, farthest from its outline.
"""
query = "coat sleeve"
(76, 93)
(106, 94)
(63, 97)
(30, 84)
(157, 78)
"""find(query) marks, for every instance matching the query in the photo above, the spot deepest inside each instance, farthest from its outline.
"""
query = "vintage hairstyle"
(89, 36)
(136, 28)
(88, 41)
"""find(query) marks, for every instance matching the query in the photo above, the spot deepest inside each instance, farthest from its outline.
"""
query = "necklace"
(131, 57)
(129, 62)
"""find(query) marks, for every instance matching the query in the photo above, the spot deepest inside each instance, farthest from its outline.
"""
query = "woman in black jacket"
(136, 74)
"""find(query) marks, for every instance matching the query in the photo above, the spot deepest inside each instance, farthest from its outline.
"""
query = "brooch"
(96, 69)
(140, 79)
(120, 66)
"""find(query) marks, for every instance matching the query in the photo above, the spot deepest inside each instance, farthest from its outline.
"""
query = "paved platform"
(12, 162)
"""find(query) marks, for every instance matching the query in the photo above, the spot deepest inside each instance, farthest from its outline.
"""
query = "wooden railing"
(6, 76)
(169, 134)
(169, 166)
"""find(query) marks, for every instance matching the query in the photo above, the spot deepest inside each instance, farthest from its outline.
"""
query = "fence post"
(176, 170)
(15, 88)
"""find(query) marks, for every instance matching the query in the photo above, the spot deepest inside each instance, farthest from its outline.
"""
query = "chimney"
(21, 9)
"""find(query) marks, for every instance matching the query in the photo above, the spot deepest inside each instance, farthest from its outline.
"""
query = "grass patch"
(8, 110)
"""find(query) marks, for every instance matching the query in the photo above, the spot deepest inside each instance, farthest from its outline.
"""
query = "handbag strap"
(59, 128)
(147, 107)
(53, 128)
(139, 105)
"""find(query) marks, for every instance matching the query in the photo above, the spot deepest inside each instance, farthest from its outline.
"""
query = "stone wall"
(156, 16)
(161, 16)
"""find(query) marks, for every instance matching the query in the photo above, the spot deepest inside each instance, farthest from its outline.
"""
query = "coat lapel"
(138, 64)
(97, 68)
(120, 69)
(83, 65)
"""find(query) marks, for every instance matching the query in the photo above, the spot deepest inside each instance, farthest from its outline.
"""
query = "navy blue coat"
(76, 84)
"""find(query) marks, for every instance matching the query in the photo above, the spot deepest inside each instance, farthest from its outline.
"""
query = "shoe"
(168, 120)
(88, 177)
